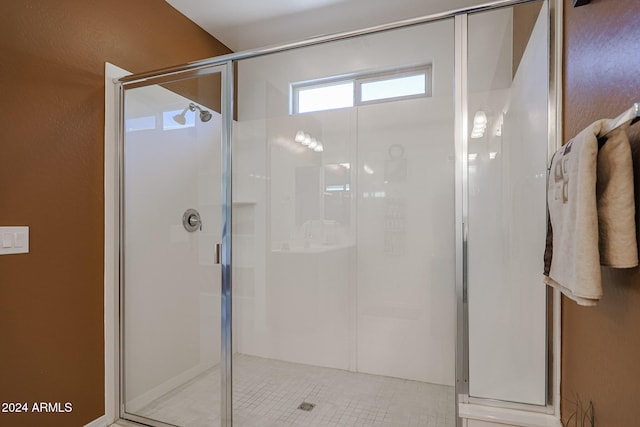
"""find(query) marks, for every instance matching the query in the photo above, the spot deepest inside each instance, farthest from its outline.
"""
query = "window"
(325, 97)
(362, 89)
(394, 87)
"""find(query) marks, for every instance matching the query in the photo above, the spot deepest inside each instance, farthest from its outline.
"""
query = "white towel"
(591, 213)
(616, 203)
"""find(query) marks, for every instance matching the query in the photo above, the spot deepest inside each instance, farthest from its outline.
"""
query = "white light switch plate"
(14, 240)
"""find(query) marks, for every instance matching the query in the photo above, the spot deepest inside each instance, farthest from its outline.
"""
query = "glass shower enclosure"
(328, 206)
(171, 227)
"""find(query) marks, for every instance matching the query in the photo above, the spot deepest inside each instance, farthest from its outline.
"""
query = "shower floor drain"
(306, 406)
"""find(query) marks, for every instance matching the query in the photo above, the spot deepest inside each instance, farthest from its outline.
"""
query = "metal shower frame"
(224, 65)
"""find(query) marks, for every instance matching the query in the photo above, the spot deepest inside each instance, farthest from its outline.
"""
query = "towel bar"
(629, 117)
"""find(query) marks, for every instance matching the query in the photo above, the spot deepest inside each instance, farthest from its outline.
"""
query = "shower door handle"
(217, 253)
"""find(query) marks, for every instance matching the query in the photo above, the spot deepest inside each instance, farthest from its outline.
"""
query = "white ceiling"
(250, 24)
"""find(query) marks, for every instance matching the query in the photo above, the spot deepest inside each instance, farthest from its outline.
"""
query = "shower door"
(171, 221)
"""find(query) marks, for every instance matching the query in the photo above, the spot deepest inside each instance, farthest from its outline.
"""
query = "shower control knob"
(194, 221)
(191, 220)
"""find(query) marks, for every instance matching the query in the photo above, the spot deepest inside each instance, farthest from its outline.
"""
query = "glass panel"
(392, 88)
(508, 101)
(171, 287)
(344, 304)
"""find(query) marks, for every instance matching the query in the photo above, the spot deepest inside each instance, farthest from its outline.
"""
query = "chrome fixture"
(191, 220)
(205, 115)
(624, 120)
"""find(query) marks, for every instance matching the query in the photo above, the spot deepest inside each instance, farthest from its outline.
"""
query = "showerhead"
(179, 118)
(205, 115)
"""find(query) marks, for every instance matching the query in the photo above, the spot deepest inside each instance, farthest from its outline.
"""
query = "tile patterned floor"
(267, 393)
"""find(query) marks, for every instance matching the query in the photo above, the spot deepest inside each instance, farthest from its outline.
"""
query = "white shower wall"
(171, 286)
(373, 291)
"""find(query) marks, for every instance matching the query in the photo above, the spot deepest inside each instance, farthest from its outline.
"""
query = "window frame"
(358, 80)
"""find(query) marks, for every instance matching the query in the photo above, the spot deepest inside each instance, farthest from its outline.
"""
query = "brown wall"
(601, 345)
(524, 19)
(52, 56)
